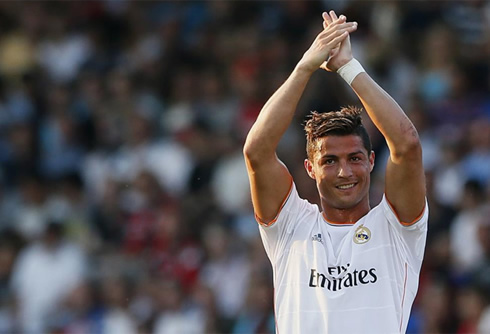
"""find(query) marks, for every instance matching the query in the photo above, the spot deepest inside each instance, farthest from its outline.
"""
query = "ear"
(309, 169)
(371, 161)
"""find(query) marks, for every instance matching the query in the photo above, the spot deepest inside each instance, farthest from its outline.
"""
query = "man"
(341, 268)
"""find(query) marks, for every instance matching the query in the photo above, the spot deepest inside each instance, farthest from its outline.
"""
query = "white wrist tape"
(349, 71)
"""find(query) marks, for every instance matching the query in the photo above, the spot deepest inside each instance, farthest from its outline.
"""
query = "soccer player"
(343, 267)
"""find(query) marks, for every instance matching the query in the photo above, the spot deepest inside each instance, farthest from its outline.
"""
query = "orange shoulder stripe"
(398, 217)
(263, 223)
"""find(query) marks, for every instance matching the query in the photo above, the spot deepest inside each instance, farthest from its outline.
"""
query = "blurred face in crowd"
(341, 168)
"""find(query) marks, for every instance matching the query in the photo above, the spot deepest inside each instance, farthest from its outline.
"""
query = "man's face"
(341, 167)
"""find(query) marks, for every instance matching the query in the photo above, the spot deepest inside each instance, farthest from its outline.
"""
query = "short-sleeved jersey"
(343, 278)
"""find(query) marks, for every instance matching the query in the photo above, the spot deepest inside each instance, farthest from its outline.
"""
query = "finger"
(339, 26)
(330, 38)
(324, 66)
(345, 41)
(339, 38)
(325, 25)
(350, 27)
(347, 25)
(339, 20)
(333, 15)
(332, 54)
(326, 18)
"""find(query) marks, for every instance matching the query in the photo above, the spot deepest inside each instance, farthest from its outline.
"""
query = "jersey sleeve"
(412, 236)
(276, 233)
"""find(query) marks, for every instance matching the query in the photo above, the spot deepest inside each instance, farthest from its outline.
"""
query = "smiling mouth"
(346, 186)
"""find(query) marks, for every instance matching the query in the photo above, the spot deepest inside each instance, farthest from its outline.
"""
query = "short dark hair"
(346, 121)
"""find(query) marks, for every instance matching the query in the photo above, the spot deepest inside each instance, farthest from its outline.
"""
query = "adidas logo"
(317, 237)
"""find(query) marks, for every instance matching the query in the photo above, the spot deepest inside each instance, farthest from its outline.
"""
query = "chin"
(345, 203)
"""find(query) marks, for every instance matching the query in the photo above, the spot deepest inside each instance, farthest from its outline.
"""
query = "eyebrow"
(355, 153)
(331, 156)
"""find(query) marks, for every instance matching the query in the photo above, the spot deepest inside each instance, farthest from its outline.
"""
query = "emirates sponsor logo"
(349, 280)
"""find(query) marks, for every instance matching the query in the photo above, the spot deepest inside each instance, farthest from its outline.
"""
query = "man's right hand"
(326, 41)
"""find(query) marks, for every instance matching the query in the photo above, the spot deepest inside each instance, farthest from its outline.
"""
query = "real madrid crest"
(362, 235)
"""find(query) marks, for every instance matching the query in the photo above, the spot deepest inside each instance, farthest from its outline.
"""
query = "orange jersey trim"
(403, 295)
(336, 223)
(266, 224)
(398, 217)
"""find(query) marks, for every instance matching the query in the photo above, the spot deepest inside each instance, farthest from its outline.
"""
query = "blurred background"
(124, 200)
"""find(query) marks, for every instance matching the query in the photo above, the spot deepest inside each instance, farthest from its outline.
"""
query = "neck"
(350, 215)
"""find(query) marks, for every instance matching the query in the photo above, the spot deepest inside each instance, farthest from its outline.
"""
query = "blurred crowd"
(124, 199)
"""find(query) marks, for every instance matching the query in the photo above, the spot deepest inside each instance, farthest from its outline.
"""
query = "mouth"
(346, 186)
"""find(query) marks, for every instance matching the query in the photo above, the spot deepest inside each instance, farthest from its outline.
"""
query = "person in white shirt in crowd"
(44, 275)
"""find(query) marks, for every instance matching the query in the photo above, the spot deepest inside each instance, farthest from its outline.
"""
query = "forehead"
(339, 145)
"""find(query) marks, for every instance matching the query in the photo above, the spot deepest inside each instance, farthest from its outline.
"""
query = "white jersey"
(343, 277)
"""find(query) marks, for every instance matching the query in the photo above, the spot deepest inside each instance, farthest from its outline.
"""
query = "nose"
(345, 170)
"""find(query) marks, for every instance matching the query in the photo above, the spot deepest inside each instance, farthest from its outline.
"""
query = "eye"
(355, 159)
(328, 161)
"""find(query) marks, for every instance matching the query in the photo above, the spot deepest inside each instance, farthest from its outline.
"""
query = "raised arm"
(405, 179)
(269, 178)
